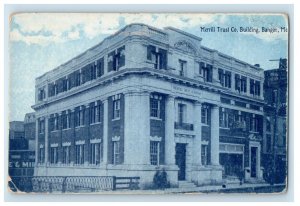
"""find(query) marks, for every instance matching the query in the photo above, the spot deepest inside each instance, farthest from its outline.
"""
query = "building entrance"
(181, 160)
(253, 161)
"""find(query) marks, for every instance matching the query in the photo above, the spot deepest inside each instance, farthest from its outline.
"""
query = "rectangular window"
(64, 118)
(154, 152)
(100, 67)
(77, 116)
(116, 111)
(206, 70)
(93, 111)
(79, 154)
(204, 156)
(268, 143)
(41, 155)
(53, 155)
(82, 115)
(155, 104)
(204, 115)
(253, 124)
(93, 70)
(225, 78)
(116, 59)
(223, 118)
(96, 153)
(243, 84)
(66, 155)
(116, 152)
(182, 67)
(157, 56)
(41, 126)
(181, 113)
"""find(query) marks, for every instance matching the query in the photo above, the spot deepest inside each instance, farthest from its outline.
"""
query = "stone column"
(36, 141)
(105, 130)
(198, 133)
(248, 86)
(214, 135)
(136, 128)
(169, 131)
(46, 141)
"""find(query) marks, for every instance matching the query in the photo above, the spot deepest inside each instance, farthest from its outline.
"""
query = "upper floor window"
(204, 156)
(100, 67)
(41, 94)
(206, 71)
(240, 83)
(225, 78)
(254, 124)
(182, 67)
(116, 106)
(240, 120)
(65, 120)
(224, 118)
(155, 106)
(157, 56)
(205, 114)
(41, 126)
(66, 154)
(79, 116)
(255, 87)
(181, 112)
(95, 111)
(116, 59)
(41, 155)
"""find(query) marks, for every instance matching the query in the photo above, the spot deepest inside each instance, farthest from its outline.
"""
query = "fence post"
(114, 183)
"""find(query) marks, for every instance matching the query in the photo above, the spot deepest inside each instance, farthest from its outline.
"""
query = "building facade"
(146, 99)
(275, 135)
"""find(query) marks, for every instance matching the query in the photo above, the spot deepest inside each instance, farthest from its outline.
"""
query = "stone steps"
(186, 184)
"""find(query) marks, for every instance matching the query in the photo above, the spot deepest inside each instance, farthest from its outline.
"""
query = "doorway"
(181, 160)
(253, 161)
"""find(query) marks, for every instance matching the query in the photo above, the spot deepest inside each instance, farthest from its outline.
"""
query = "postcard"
(145, 103)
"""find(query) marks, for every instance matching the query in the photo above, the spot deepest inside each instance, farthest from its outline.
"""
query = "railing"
(184, 126)
(72, 183)
(131, 183)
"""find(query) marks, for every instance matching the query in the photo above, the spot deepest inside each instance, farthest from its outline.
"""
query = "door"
(253, 161)
(180, 160)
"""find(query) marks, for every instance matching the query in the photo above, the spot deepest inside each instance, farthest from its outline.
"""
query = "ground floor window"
(96, 153)
(204, 157)
(66, 155)
(41, 155)
(53, 155)
(154, 152)
(116, 152)
(79, 154)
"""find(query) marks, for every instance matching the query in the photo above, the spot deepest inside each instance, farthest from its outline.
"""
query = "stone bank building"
(145, 99)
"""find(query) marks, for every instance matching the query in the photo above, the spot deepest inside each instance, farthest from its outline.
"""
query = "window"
(100, 67)
(117, 106)
(204, 157)
(53, 155)
(116, 152)
(240, 83)
(254, 87)
(95, 112)
(204, 115)
(66, 155)
(223, 118)
(181, 112)
(41, 126)
(41, 94)
(243, 84)
(157, 56)
(182, 67)
(254, 124)
(77, 116)
(41, 155)
(96, 153)
(65, 120)
(225, 78)
(155, 105)
(154, 152)
(116, 59)
(206, 71)
(93, 70)
(77, 78)
(79, 154)
(268, 124)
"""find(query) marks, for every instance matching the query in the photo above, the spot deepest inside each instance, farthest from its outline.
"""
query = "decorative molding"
(54, 145)
(185, 46)
(93, 141)
(155, 138)
(65, 144)
(41, 146)
(116, 138)
(79, 142)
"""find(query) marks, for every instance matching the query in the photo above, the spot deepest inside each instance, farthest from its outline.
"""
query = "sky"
(39, 42)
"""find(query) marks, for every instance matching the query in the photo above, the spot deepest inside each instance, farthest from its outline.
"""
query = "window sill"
(96, 123)
(66, 129)
(156, 118)
(227, 128)
(81, 126)
(116, 119)
(205, 124)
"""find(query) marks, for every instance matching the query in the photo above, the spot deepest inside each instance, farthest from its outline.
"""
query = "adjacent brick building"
(146, 99)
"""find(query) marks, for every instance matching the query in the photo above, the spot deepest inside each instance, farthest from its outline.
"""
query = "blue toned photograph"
(146, 103)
